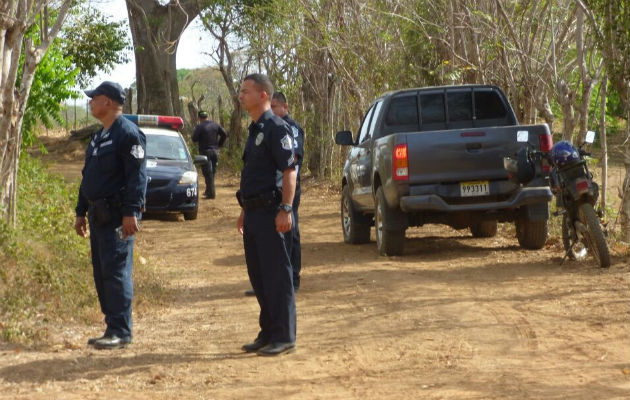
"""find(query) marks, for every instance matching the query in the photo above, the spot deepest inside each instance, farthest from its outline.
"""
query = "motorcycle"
(576, 195)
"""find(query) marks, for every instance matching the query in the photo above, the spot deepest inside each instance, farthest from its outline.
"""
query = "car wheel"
(389, 242)
(355, 226)
(190, 215)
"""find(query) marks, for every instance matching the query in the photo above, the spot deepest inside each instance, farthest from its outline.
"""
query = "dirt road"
(454, 318)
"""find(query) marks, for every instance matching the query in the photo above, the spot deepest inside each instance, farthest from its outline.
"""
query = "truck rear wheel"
(531, 234)
(388, 242)
(484, 229)
(355, 226)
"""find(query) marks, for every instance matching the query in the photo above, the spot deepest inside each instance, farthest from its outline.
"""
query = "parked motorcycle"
(576, 195)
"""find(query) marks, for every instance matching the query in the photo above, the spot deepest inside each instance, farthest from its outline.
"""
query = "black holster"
(100, 211)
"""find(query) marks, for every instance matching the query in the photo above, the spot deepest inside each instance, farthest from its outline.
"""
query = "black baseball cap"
(202, 114)
(110, 89)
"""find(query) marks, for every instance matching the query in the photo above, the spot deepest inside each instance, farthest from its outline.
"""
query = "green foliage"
(52, 84)
(92, 43)
(46, 273)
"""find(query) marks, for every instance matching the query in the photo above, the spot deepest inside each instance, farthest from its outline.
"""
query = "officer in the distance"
(112, 194)
(280, 107)
(210, 137)
(266, 217)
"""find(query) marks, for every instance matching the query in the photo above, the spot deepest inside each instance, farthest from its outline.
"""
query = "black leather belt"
(269, 200)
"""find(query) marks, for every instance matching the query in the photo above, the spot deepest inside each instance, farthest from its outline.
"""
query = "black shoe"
(275, 349)
(250, 292)
(296, 289)
(111, 342)
(93, 340)
(254, 346)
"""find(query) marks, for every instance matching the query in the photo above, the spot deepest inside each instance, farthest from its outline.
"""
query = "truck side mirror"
(344, 138)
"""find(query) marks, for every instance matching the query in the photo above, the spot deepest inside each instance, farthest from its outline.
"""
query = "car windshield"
(166, 148)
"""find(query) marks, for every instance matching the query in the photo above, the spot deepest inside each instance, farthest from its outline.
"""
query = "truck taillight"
(400, 163)
(546, 142)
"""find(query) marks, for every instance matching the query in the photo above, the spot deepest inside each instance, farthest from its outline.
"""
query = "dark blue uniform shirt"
(115, 165)
(298, 138)
(269, 149)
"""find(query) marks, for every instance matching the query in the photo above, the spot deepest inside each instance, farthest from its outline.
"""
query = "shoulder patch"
(137, 151)
(287, 142)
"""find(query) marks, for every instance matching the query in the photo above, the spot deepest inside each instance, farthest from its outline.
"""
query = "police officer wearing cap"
(112, 194)
(210, 136)
(266, 217)
(280, 107)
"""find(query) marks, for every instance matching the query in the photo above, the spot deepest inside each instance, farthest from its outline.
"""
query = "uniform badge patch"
(137, 151)
(295, 131)
(286, 142)
(259, 138)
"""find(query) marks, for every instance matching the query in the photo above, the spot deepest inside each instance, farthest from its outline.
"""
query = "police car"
(171, 173)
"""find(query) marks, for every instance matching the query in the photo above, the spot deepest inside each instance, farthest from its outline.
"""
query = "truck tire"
(484, 229)
(531, 234)
(594, 236)
(388, 242)
(355, 226)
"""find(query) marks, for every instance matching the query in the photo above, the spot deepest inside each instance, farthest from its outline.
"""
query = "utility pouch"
(101, 212)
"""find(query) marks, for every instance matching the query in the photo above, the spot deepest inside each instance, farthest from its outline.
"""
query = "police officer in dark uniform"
(112, 194)
(280, 107)
(266, 217)
(210, 137)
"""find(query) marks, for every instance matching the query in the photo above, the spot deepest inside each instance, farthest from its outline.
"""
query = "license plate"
(475, 188)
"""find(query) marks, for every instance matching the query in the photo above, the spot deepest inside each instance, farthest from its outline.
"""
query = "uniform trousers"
(271, 275)
(112, 262)
(209, 170)
(295, 248)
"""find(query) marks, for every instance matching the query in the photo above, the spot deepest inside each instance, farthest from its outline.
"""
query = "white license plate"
(474, 188)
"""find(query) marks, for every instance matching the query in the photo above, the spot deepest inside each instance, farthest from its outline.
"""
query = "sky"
(189, 51)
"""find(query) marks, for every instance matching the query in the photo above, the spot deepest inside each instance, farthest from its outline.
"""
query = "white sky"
(189, 51)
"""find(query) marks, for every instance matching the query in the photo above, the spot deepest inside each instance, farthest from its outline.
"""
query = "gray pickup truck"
(435, 155)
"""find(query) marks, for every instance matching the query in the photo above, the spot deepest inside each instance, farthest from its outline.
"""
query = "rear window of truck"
(446, 109)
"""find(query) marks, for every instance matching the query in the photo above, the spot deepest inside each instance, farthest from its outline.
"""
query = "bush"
(47, 274)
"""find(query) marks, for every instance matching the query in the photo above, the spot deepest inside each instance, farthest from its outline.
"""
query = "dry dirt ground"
(454, 318)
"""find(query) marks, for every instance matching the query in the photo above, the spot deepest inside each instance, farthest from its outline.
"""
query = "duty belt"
(269, 200)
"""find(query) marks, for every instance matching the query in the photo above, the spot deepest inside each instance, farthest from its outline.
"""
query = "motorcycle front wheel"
(593, 235)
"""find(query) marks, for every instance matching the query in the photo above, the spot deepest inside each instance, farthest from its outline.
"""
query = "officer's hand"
(129, 226)
(240, 222)
(80, 226)
(284, 221)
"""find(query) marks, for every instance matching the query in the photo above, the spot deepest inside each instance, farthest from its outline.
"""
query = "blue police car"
(171, 173)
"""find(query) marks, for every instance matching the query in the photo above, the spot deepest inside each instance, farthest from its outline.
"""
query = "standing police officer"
(280, 107)
(112, 193)
(266, 217)
(210, 136)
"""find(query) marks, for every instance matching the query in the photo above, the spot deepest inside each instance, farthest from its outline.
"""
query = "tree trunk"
(604, 140)
(16, 17)
(156, 30)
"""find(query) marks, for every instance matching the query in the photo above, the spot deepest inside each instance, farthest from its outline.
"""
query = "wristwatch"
(286, 207)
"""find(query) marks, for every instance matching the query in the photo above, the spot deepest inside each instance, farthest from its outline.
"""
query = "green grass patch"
(46, 277)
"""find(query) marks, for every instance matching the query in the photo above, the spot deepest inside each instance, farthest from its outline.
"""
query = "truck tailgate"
(465, 154)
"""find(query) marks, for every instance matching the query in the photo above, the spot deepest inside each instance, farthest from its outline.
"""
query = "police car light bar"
(156, 120)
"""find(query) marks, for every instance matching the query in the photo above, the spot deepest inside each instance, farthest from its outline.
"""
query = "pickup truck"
(435, 155)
